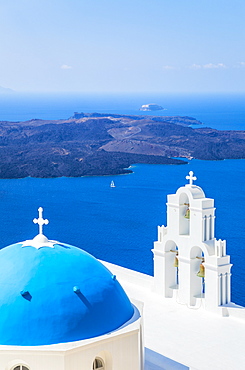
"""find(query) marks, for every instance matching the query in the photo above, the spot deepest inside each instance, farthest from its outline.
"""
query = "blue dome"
(57, 294)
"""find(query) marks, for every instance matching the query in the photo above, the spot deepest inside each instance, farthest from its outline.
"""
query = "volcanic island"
(89, 144)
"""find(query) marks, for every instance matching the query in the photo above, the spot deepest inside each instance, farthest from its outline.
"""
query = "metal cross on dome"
(191, 178)
(40, 220)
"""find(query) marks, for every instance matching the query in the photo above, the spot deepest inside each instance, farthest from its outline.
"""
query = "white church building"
(62, 309)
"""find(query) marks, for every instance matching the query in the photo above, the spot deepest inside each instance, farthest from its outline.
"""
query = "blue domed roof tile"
(56, 293)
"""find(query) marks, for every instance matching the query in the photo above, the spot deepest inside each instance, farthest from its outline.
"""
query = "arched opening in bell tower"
(184, 214)
(197, 273)
(172, 265)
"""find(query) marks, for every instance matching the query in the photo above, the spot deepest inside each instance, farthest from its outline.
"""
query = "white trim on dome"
(40, 241)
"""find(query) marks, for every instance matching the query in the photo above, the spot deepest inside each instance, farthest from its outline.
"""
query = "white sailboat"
(112, 185)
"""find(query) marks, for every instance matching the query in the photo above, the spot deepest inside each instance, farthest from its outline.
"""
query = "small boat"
(112, 185)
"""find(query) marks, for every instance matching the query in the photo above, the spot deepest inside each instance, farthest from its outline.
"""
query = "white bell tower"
(188, 260)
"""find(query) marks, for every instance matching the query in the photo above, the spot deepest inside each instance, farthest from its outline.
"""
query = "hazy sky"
(123, 45)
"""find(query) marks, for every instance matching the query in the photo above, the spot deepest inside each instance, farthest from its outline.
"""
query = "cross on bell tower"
(40, 220)
(191, 178)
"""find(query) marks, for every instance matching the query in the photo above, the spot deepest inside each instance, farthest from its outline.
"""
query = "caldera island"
(107, 144)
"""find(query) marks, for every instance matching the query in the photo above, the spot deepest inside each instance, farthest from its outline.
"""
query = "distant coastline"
(6, 90)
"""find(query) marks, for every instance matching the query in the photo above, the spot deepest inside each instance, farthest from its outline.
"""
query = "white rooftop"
(192, 337)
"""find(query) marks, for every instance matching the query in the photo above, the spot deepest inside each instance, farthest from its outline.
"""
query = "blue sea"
(120, 224)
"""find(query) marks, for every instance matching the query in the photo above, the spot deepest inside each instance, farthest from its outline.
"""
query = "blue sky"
(123, 45)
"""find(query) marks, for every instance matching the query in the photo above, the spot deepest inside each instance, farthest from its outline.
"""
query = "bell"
(187, 213)
(201, 272)
(176, 261)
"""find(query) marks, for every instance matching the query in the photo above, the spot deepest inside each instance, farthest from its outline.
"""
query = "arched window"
(21, 367)
(98, 364)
